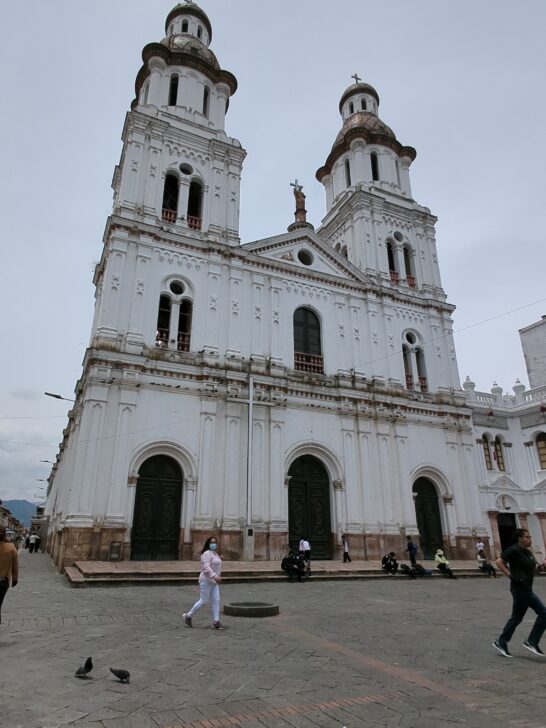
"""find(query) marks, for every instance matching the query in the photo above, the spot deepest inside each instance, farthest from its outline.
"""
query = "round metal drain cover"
(251, 609)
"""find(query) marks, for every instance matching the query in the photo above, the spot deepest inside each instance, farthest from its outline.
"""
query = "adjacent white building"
(301, 385)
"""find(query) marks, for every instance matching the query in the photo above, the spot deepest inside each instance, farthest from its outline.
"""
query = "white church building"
(301, 385)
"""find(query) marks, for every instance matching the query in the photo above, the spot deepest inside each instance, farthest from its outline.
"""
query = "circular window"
(305, 257)
(186, 168)
(410, 338)
(177, 288)
(398, 236)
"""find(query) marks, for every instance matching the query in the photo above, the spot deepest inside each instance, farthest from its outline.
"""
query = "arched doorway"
(427, 512)
(156, 519)
(309, 506)
(507, 526)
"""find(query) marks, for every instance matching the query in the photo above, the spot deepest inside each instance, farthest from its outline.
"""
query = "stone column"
(450, 518)
(522, 516)
(541, 515)
(341, 518)
(156, 66)
(173, 326)
(496, 546)
(183, 197)
(189, 506)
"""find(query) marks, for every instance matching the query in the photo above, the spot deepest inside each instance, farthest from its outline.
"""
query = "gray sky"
(461, 81)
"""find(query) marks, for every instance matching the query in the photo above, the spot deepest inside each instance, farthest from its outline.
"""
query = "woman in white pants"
(209, 579)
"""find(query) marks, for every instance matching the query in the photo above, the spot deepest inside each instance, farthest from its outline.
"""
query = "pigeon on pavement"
(86, 668)
(122, 675)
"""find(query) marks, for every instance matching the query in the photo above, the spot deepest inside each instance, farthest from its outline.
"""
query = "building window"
(408, 266)
(421, 369)
(184, 26)
(487, 453)
(173, 90)
(163, 322)
(199, 32)
(347, 173)
(170, 198)
(343, 251)
(195, 205)
(498, 454)
(408, 374)
(541, 449)
(351, 108)
(206, 99)
(307, 347)
(184, 325)
(375, 166)
(391, 263)
(363, 104)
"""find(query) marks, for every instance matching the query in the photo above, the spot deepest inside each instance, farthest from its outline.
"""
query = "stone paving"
(411, 654)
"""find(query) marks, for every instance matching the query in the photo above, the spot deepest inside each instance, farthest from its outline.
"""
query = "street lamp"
(58, 396)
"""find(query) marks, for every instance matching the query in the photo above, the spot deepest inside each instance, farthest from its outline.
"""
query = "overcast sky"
(461, 81)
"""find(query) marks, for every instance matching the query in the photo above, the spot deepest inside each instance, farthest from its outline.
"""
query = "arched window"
(487, 453)
(392, 262)
(199, 32)
(173, 90)
(184, 325)
(499, 455)
(347, 173)
(206, 100)
(307, 347)
(343, 251)
(170, 198)
(195, 205)
(408, 266)
(406, 353)
(351, 108)
(363, 104)
(541, 449)
(163, 322)
(184, 26)
(375, 166)
(421, 369)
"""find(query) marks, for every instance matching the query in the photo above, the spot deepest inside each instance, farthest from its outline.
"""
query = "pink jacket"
(211, 566)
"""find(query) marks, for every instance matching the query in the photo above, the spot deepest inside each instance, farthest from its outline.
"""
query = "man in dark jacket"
(389, 563)
(519, 565)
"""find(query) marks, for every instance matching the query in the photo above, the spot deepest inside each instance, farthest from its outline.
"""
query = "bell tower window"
(392, 263)
(173, 90)
(195, 205)
(199, 32)
(363, 104)
(170, 198)
(375, 166)
(163, 322)
(307, 347)
(351, 108)
(184, 325)
(206, 100)
(184, 26)
(541, 449)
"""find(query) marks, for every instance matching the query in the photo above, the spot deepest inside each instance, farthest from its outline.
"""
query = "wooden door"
(309, 506)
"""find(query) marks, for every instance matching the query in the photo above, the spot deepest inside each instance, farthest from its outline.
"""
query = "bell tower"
(178, 167)
(371, 216)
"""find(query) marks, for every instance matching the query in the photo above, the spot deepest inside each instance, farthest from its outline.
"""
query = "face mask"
(213, 546)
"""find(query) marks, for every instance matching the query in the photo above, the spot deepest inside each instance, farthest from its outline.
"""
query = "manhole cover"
(251, 609)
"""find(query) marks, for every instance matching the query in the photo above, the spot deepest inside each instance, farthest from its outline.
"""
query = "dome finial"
(356, 78)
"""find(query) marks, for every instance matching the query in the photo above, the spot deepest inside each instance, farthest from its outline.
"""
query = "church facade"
(304, 385)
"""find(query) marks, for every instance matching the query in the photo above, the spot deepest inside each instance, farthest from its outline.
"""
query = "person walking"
(345, 547)
(305, 551)
(485, 565)
(519, 565)
(411, 550)
(9, 566)
(32, 543)
(442, 564)
(209, 579)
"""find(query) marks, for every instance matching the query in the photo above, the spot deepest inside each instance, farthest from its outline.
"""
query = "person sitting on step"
(389, 563)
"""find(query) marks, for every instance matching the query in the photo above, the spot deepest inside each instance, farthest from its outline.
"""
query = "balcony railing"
(411, 281)
(162, 338)
(409, 381)
(194, 223)
(308, 363)
(183, 342)
(168, 215)
(423, 385)
(395, 278)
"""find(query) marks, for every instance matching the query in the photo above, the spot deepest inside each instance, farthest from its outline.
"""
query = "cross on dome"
(356, 78)
(296, 185)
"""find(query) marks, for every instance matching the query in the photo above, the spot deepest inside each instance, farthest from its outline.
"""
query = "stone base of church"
(86, 544)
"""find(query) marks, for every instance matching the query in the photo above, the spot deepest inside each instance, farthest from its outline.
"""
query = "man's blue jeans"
(524, 598)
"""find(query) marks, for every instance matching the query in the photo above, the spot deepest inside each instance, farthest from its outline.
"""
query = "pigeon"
(122, 675)
(86, 668)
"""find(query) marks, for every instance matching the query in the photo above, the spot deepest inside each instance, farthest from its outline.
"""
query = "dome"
(189, 8)
(366, 121)
(193, 46)
(358, 88)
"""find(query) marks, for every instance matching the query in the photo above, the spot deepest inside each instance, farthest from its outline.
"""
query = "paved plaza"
(376, 653)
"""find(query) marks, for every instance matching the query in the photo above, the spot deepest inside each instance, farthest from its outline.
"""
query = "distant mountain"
(23, 510)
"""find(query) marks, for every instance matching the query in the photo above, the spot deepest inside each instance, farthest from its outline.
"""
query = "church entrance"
(507, 526)
(309, 506)
(156, 519)
(427, 512)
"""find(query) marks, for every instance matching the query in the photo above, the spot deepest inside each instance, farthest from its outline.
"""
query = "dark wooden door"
(156, 519)
(309, 506)
(427, 512)
(507, 526)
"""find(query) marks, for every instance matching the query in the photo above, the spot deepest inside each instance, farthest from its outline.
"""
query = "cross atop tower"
(296, 185)
(356, 77)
